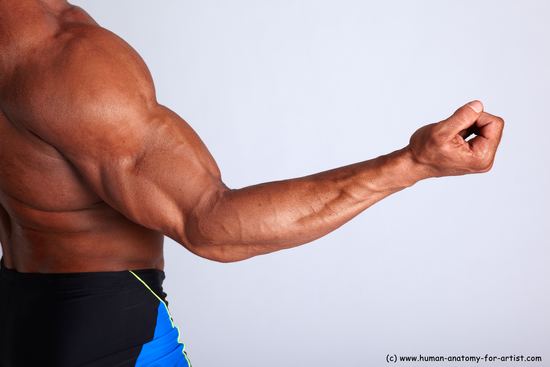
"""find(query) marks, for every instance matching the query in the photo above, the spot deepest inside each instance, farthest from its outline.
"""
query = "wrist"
(411, 169)
(384, 175)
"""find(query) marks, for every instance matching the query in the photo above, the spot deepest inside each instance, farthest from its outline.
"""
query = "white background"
(280, 89)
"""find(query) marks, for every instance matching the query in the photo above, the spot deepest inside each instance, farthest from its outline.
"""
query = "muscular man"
(94, 172)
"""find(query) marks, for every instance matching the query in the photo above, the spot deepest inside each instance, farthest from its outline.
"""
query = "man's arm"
(100, 112)
(263, 218)
(271, 216)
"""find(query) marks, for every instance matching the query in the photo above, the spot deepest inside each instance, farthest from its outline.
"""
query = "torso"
(50, 221)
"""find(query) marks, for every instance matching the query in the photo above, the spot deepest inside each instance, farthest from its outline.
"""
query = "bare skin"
(94, 171)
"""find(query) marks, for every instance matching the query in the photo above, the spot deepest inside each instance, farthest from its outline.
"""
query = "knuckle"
(460, 117)
(483, 162)
(462, 112)
(437, 137)
(486, 165)
(485, 168)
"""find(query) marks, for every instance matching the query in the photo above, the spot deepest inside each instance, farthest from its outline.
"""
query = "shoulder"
(89, 73)
(96, 58)
(81, 64)
(87, 82)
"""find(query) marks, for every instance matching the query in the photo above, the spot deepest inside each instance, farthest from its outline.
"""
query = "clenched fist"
(442, 147)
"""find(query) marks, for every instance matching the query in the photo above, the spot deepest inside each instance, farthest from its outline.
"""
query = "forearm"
(267, 217)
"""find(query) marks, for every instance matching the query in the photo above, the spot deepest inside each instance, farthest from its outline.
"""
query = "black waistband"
(104, 279)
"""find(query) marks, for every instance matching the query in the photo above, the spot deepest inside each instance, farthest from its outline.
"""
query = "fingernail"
(476, 106)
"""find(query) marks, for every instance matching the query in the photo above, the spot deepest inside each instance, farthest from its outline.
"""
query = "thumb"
(462, 118)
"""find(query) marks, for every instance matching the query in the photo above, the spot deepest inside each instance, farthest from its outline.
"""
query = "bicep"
(138, 156)
(158, 175)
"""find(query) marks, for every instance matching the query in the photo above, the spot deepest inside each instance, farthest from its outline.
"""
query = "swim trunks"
(91, 319)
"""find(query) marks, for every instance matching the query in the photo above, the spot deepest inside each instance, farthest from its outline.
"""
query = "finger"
(462, 118)
(489, 133)
(489, 126)
(467, 132)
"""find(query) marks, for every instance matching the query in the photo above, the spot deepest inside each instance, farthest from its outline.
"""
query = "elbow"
(219, 253)
(207, 233)
(215, 246)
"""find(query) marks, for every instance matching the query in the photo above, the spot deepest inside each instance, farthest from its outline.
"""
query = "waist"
(85, 319)
(79, 283)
